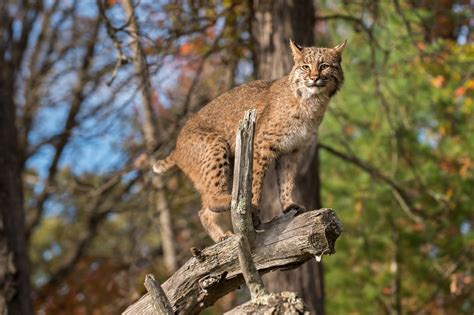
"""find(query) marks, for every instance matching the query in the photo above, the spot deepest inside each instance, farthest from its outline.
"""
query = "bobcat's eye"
(323, 66)
(305, 67)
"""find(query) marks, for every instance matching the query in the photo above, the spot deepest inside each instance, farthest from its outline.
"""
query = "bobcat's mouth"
(317, 83)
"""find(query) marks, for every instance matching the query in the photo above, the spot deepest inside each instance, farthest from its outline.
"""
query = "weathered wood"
(288, 303)
(286, 242)
(249, 270)
(158, 296)
(240, 205)
(242, 179)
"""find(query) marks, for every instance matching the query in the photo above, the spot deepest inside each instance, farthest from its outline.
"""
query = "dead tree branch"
(240, 206)
(160, 301)
(286, 242)
(242, 180)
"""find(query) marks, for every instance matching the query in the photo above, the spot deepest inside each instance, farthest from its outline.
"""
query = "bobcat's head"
(317, 71)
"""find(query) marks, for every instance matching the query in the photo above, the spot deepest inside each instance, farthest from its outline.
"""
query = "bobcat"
(289, 112)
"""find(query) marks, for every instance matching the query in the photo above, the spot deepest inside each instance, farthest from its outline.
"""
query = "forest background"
(91, 92)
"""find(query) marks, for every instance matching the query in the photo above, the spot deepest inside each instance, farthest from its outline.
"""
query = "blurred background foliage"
(397, 147)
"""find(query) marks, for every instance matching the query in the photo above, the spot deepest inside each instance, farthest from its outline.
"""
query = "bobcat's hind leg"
(216, 194)
(208, 164)
(215, 173)
(217, 224)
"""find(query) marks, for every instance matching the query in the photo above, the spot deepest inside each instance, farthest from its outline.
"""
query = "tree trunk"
(14, 275)
(273, 23)
(150, 131)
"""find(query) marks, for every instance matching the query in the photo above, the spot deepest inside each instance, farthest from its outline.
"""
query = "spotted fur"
(289, 112)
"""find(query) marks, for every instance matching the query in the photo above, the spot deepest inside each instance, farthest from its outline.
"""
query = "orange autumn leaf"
(438, 81)
(191, 47)
(387, 290)
(418, 227)
(186, 49)
(349, 130)
(448, 166)
(466, 166)
(460, 91)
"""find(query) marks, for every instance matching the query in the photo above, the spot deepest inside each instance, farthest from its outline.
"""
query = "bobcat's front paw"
(299, 209)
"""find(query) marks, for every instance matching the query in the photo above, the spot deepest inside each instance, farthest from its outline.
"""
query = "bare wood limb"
(160, 301)
(240, 205)
(242, 180)
(286, 242)
(252, 277)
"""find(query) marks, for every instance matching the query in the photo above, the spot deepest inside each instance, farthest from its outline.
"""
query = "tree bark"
(286, 242)
(287, 303)
(273, 23)
(14, 271)
(241, 199)
(158, 296)
(150, 131)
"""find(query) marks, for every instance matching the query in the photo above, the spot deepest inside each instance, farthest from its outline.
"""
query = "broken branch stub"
(240, 205)
(242, 180)
(159, 300)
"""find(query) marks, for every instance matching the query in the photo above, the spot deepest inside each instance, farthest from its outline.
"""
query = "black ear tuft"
(296, 50)
(296, 44)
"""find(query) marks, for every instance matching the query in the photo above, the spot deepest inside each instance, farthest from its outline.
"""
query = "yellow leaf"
(358, 207)
(449, 193)
(442, 130)
(469, 85)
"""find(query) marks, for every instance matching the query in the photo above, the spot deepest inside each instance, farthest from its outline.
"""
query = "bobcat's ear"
(296, 50)
(340, 48)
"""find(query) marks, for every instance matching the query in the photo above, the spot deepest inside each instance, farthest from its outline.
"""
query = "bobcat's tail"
(164, 165)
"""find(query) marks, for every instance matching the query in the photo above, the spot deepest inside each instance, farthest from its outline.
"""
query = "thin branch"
(112, 33)
(71, 123)
(400, 194)
(99, 209)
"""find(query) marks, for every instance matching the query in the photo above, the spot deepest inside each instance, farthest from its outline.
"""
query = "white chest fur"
(299, 136)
